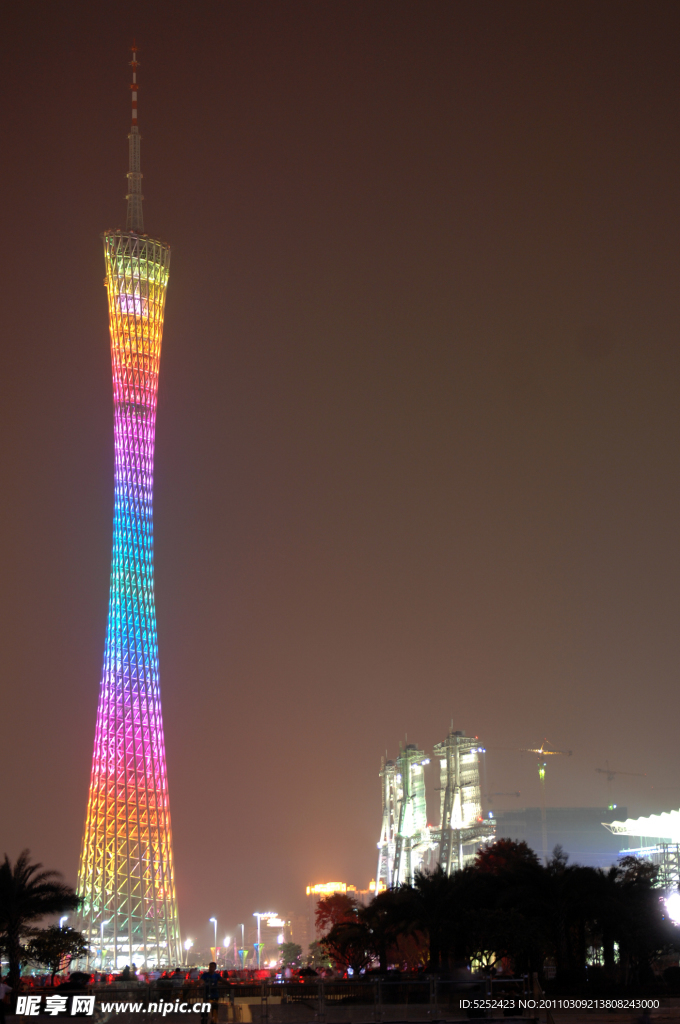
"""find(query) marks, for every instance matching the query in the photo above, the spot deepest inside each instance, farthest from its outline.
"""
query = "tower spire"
(135, 217)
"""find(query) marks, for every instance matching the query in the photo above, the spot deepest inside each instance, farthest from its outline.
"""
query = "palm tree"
(433, 911)
(386, 920)
(26, 894)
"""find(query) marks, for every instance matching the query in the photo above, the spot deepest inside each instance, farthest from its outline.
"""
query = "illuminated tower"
(463, 827)
(126, 875)
(404, 834)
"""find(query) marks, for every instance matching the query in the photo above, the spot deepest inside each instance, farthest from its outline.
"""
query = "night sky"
(417, 439)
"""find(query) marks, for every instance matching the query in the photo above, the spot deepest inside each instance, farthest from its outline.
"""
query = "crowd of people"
(173, 978)
(208, 985)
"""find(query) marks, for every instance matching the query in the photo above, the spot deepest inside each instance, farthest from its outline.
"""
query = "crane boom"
(610, 773)
(543, 751)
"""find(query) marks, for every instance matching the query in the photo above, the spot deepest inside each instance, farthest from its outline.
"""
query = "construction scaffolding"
(666, 857)
(463, 827)
(664, 849)
(407, 843)
(405, 835)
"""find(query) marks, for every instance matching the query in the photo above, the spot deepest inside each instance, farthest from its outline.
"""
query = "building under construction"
(659, 836)
(407, 843)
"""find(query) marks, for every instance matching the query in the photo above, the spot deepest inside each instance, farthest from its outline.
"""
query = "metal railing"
(313, 1000)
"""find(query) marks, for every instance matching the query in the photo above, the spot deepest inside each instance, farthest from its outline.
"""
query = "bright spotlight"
(673, 907)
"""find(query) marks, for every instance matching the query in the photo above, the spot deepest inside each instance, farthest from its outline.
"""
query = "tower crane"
(610, 773)
(544, 751)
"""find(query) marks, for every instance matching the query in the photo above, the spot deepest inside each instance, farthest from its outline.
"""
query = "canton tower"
(126, 875)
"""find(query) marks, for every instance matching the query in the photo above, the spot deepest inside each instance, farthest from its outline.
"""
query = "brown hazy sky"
(417, 442)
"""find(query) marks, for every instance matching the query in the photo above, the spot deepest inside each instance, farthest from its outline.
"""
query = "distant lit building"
(659, 842)
(463, 827)
(578, 830)
(407, 843)
(404, 835)
(324, 889)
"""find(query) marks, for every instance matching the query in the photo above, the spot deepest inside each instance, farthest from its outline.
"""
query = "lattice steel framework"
(407, 843)
(463, 827)
(126, 870)
(404, 834)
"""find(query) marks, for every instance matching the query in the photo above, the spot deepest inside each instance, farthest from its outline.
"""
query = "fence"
(370, 1000)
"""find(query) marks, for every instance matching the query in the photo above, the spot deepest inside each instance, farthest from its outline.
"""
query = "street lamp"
(101, 933)
(187, 946)
(259, 944)
(214, 922)
(61, 921)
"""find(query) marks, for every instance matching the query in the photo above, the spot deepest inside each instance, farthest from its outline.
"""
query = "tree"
(571, 894)
(409, 952)
(491, 935)
(26, 894)
(317, 957)
(508, 883)
(505, 855)
(291, 954)
(349, 944)
(385, 920)
(54, 947)
(334, 909)
(429, 908)
(643, 932)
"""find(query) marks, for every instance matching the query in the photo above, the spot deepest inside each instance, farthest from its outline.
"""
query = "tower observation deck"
(126, 876)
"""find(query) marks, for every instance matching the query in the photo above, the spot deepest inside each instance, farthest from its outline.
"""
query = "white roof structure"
(664, 826)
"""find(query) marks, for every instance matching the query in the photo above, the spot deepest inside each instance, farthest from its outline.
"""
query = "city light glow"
(326, 888)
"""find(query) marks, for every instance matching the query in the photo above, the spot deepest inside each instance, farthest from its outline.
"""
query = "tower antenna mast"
(135, 216)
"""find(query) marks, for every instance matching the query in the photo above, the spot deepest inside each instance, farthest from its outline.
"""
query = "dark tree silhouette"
(508, 905)
(349, 944)
(643, 933)
(387, 920)
(26, 894)
(505, 855)
(53, 947)
(433, 911)
(334, 909)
